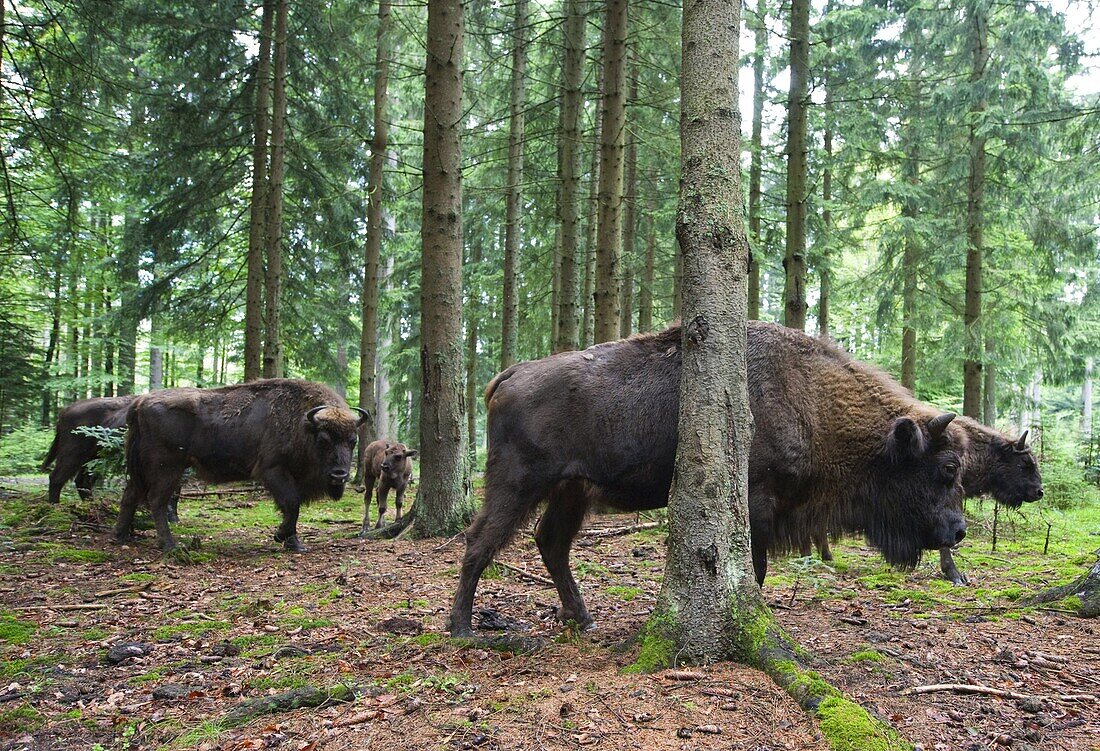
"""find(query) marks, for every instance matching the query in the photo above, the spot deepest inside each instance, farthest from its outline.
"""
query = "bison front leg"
(367, 495)
(85, 482)
(383, 494)
(821, 540)
(556, 531)
(399, 501)
(285, 492)
(949, 569)
(161, 491)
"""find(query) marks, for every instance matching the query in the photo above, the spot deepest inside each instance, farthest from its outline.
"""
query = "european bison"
(294, 437)
(994, 465)
(833, 435)
(390, 465)
(70, 452)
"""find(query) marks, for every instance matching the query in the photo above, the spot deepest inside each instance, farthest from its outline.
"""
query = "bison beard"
(834, 437)
(295, 437)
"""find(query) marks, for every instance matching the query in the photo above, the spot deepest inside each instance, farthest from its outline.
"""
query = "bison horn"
(939, 423)
(1021, 443)
(311, 416)
(363, 415)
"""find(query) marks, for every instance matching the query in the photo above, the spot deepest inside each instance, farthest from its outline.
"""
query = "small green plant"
(110, 464)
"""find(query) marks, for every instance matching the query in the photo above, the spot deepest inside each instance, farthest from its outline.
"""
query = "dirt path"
(247, 622)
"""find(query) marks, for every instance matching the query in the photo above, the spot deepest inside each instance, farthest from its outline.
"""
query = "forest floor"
(245, 621)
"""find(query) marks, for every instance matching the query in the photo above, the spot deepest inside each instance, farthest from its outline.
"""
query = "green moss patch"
(65, 554)
(849, 727)
(20, 719)
(15, 631)
(657, 647)
(624, 593)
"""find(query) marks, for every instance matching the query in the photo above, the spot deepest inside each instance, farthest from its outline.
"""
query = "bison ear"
(906, 440)
(1021, 444)
(938, 424)
(412, 454)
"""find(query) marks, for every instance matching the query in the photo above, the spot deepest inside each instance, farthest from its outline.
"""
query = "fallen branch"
(967, 688)
(123, 590)
(684, 675)
(616, 531)
(80, 606)
(220, 491)
(525, 574)
(305, 696)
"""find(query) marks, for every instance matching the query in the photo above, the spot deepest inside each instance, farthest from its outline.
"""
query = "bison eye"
(951, 468)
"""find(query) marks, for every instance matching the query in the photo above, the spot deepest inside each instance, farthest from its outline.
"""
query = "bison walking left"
(294, 437)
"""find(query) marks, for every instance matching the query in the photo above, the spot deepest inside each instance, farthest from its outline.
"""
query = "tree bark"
(589, 331)
(755, 162)
(827, 224)
(253, 306)
(1086, 404)
(569, 174)
(443, 505)
(128, 319)
(472, 306)
(609, 234)
(384, 424)
(372, 251)
(909, 255)
(709, 596)
(509, 318)
(273, 278)
(975, 191)
(794, 261)
(989, 387)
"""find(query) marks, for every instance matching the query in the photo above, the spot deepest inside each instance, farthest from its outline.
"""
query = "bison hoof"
(958, 580)
(293, 545)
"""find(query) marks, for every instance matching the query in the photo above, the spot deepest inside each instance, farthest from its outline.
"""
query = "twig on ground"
(616, 531)
(80, 606)
(525, 574)
(967, 688)
(123, 590)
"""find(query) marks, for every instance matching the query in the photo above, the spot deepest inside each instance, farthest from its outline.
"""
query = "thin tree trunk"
(975, 191)
(472, 306)
(609, 234)
(385, 426)
(755, 163)
(110, 386)
(645, 301)
(1086, 404)
(509, 319)
(989, 388)
(372, 252)
(794, 262)
(590, 235)
(443, 503)
(569, 174)
(909, 255)
(826, 218)
(73, 353)
(709, 602)
(273, 278)
(128, 318)
(253, 306)
(630, 201)
(48, 394)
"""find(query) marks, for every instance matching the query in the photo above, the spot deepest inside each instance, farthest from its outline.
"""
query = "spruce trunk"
(253, 306)
(273, 277)
(794, 262)
(509, 319)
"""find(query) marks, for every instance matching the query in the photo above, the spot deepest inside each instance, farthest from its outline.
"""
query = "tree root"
(1086, 590)
(305, 696)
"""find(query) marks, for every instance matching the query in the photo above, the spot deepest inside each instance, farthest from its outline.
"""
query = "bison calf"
(294, 437)
(390, 465)
(835, 437)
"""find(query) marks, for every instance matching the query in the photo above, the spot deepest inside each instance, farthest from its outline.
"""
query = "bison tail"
(498, 379)
(50, 455)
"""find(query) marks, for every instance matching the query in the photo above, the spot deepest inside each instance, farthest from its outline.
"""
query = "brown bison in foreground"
(994, 465)
(70, 452)
(833, 436)
(296, 438)
(390, 465)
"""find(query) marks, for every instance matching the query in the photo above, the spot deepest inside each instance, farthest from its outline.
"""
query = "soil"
(247, 621)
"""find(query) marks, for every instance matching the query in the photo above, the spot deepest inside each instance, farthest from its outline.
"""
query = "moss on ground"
(849, 727)
(21, 718)
(656, 644)
(13, 630)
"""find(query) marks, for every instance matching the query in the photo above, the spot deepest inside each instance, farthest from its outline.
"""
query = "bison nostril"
(959, 535)
(1040, 494)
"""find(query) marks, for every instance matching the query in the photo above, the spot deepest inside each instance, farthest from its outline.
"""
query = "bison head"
(334, 435)
(916, 499)
(397, 461)
(1013, 476)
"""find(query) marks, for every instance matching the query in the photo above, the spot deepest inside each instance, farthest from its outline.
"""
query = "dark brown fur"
(259, 430)
(833, 435)
(390, 465)
(70, 451)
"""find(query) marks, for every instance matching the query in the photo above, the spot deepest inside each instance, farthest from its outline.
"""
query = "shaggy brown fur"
(390, 465)
(834, 436)
(270, 431)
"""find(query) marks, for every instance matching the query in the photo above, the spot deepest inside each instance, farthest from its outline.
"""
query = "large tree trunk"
(253, 305)
(569, 175)
(273, 278)
(975, 191)
(368, 341)
(1086, 590)
(709, 604)
(826, 223)
(609, 234)
(442, 506)
(794, 261)
(756, 159)
(509, 318)
(909, 254)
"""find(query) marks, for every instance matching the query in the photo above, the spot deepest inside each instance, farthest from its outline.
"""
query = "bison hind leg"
(556, 531)
(507, 506)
